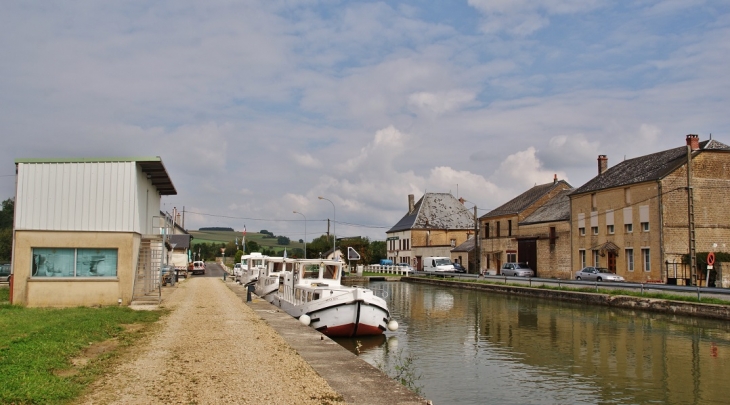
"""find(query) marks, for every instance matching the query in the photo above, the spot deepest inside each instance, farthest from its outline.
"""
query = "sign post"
(353, 256)
(710, 263)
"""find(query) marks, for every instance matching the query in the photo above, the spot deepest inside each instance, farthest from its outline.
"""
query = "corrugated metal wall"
(80, 197)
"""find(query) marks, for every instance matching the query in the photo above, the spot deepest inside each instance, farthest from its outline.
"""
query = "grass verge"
(38, 347)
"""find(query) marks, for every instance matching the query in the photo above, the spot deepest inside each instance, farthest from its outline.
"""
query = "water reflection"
(474, 347)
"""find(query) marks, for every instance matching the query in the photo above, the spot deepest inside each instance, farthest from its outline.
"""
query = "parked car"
(4, 272)
(406, 266)
(458, 268)
(590, 273)
(517, 270)
(198, 267)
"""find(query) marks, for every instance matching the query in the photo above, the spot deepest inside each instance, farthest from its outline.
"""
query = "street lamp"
(334, 226)
(305, 233)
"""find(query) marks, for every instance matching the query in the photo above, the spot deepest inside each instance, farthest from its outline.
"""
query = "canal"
(474, 347)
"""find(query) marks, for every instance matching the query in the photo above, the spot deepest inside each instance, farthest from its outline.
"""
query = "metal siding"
(76, 196)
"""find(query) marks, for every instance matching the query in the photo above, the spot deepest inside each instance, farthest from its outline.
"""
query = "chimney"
(693, 141)
(555, 178)
(410, 204)
(602, 164)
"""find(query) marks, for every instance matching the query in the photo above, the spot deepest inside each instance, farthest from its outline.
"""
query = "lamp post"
(334, 226)
(305, 232)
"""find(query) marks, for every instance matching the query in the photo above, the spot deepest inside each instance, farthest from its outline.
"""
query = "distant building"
(633, 218)
(433, 226)
(504, 240)
(88, 231)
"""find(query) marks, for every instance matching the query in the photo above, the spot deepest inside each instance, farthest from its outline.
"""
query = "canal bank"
(357, 381)
(709, 311)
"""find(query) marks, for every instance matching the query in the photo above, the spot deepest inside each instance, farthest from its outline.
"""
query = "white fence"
(399, 270)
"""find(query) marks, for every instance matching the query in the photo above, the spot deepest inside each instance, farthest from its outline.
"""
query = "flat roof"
(152, 165)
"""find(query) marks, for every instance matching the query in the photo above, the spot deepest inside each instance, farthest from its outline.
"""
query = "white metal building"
(85, 227)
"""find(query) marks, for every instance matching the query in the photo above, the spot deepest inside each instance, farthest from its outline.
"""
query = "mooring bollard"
(249, 290)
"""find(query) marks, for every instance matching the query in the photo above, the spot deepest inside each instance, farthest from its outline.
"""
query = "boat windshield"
(311, 271)
(330, 272)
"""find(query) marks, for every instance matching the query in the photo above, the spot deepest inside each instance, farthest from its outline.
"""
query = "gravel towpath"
(212, 349)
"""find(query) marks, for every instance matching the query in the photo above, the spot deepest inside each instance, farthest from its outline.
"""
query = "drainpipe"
(661, 229)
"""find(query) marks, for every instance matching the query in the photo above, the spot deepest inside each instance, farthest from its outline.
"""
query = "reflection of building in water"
(617, 345)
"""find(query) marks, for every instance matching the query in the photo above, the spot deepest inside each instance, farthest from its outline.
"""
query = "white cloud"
(440, 103)
(522, 170)
(524, 17)
(306, 160)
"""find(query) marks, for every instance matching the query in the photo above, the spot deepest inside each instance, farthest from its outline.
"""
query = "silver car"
(597, 274)
(517, 270)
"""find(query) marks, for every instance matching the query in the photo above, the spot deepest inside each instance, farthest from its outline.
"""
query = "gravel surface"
(212, 349)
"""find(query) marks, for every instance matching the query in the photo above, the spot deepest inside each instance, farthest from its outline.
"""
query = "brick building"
(633, 218)
(433, 226)
(502, 234)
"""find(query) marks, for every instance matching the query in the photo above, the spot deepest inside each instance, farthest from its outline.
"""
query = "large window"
(596, 258)
(58, 262)
(582, 254)
(630, 259)
(646, 258)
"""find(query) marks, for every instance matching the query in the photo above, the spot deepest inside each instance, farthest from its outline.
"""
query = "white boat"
(251, 265)
(270, 278)
(313, 293)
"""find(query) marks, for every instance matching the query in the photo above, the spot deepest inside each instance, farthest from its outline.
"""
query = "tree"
(296, 253)
(301, 240)
(252, 246)
(239, 253)
(282, 240)
(319, 246)
(6, 244)
(377, 251)
(6, 214)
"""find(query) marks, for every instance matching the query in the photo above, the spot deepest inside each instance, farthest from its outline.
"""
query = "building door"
(527, 253)
(612, 261)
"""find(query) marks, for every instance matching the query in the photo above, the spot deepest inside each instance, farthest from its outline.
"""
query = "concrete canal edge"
(711, 311)
(356, 380)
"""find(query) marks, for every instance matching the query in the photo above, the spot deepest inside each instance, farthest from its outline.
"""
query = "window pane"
(53, 262)
(96, 263)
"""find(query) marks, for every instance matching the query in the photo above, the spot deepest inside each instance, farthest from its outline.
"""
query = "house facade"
(433, 226)
(502, 238)
(84, 227)
(634, 218)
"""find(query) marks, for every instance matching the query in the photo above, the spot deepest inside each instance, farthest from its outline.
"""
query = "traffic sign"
(352, 254)
(711, 258)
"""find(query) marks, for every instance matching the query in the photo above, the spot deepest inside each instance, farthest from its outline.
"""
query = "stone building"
(433, 226)
(633, 218)
(502, 240)
(549, 227)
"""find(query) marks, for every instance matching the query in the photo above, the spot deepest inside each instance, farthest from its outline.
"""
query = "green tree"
(319, 246)
(6, 244)
(282, 240)
(6, 214)
(239, 253)
(252, 246)
(296, 253)
(377, 251)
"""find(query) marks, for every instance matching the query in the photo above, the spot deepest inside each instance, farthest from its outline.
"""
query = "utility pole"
(477, 251)
(691, 214)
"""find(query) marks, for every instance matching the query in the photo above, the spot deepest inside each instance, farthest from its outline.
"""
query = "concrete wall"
(68, 292)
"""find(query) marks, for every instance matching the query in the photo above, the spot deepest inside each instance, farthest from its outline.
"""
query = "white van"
(437, 264)
(198, 267)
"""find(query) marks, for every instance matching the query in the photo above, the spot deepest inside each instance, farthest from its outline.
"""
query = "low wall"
(711, 311)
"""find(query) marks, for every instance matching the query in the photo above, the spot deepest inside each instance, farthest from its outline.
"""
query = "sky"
(257, 108)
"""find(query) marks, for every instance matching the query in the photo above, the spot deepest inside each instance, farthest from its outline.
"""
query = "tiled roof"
(645, 168)
(467, 246)
(436, 211)
(524, 200)
(556, 209)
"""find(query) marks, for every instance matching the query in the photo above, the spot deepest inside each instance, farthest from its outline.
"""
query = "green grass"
(37, 343)
(630, 293)
(4, 294)
(228, 236)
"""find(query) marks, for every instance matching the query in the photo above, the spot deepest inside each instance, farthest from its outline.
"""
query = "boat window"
(316, 296)
(311, 271)
(330, 272)
(298, 294)
(309, 296)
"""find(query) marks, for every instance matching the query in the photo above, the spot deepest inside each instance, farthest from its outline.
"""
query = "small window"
(509, 227)
(609, 229)
(594, 229)
(486, 230)
(582, 231)
(593, 202)
(511, 257)
(629, 228)
(645, 227)
(582, 254)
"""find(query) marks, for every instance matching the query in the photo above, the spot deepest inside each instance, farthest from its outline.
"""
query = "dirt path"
(212, 349)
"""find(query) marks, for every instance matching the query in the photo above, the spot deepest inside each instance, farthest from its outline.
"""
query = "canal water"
(474, 347)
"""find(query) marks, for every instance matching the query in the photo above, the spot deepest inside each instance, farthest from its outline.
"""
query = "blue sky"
(258, 107)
